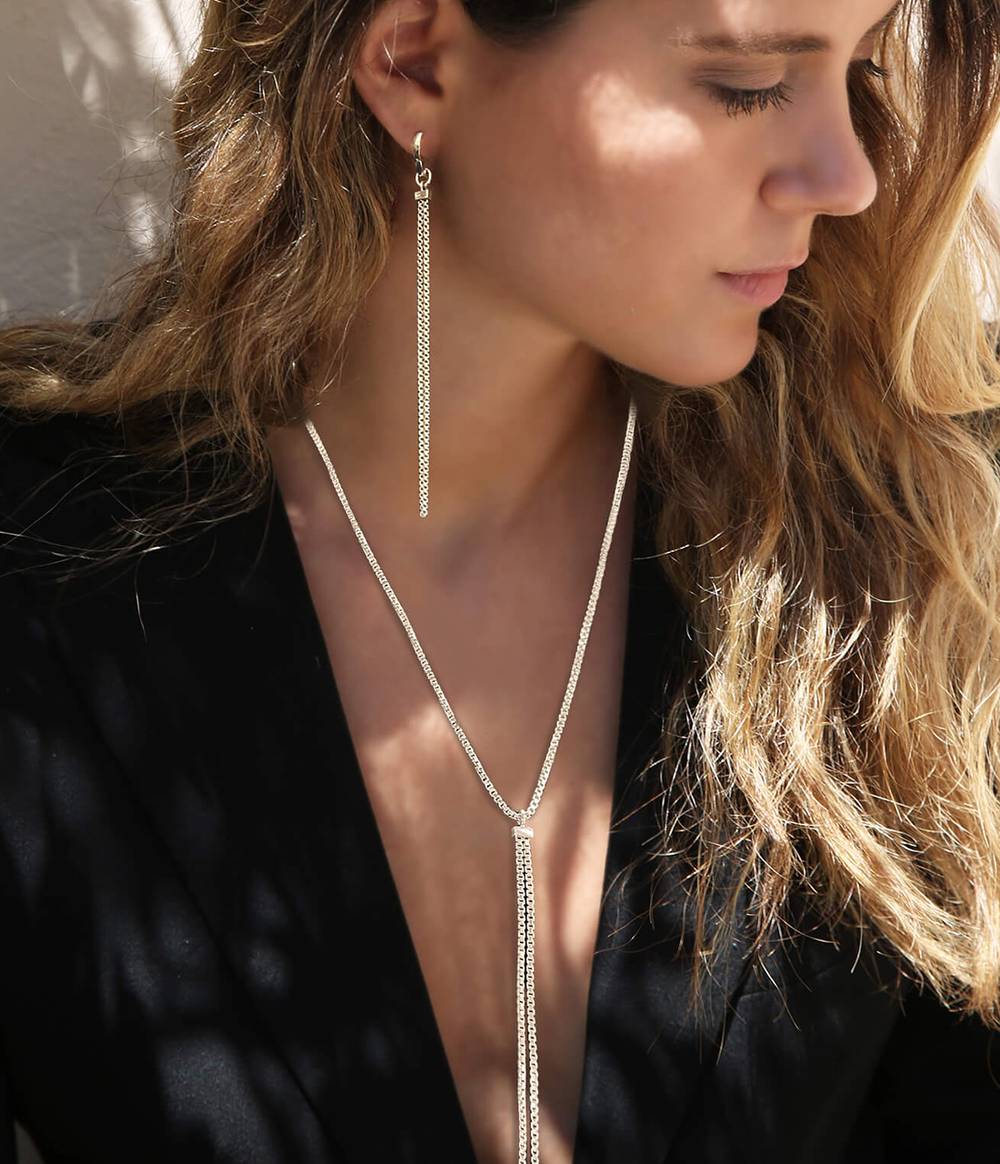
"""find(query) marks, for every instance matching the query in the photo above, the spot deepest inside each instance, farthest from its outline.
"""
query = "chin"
(723, 349)
(697, 371)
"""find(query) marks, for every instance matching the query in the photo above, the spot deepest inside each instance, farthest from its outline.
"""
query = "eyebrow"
(770, 43)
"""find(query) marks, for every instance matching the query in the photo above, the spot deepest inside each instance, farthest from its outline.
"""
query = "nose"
(829, 171)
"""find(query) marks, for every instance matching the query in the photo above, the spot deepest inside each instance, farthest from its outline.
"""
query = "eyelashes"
(737, 101)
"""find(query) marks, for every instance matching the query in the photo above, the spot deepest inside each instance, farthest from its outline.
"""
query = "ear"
(402, 65)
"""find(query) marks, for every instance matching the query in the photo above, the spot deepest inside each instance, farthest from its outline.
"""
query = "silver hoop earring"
(423, 199)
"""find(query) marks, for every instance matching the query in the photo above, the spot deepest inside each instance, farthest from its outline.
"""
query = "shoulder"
(58, 478)
(40, 453)
(55, 461)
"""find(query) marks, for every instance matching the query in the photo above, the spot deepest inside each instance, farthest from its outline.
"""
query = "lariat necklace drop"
(527, 1042)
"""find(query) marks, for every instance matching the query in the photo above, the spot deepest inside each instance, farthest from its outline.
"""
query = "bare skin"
(584, 199)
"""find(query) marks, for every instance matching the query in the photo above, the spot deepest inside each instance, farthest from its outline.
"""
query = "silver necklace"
(527, 1043)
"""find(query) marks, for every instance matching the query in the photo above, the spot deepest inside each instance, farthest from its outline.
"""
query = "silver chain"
(527, 1040)
(423, 200)
(525, 815)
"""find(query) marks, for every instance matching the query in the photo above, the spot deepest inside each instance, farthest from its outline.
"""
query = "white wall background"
(85, 157)
(84, 141)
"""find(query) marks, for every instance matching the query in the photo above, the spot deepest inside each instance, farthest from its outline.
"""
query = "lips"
(779, 269)
(761, 290)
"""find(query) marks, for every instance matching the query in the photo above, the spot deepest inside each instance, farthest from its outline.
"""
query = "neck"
(525, 420)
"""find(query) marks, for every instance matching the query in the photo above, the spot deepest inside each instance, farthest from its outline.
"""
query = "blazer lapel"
(254, 785)
(236, 744)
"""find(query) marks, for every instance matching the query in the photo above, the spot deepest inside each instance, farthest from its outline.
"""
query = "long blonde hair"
(831, 516)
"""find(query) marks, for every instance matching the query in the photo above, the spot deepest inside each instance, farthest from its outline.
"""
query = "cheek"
(644, 222)
(605, 188)
(651, 188)
(607, 214)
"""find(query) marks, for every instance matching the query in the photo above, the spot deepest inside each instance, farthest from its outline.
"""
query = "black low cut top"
(204, 954)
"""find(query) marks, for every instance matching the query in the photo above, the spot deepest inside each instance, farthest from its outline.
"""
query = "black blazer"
(204, 954)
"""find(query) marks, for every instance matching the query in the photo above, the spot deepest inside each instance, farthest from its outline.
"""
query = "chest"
(448, 844)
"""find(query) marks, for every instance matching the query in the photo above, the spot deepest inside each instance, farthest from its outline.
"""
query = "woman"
(270, 646)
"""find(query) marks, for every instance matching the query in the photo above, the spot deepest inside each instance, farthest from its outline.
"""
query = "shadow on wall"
(84, 123)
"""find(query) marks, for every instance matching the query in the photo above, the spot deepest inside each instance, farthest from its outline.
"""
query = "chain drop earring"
(423, 200)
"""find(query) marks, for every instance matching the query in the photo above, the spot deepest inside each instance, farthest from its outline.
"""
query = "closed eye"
(737, 101)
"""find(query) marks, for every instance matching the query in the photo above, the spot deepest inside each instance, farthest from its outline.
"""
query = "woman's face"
(604, 184)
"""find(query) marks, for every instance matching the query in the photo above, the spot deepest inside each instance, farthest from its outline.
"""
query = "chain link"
(424, 345)
(423, 199)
